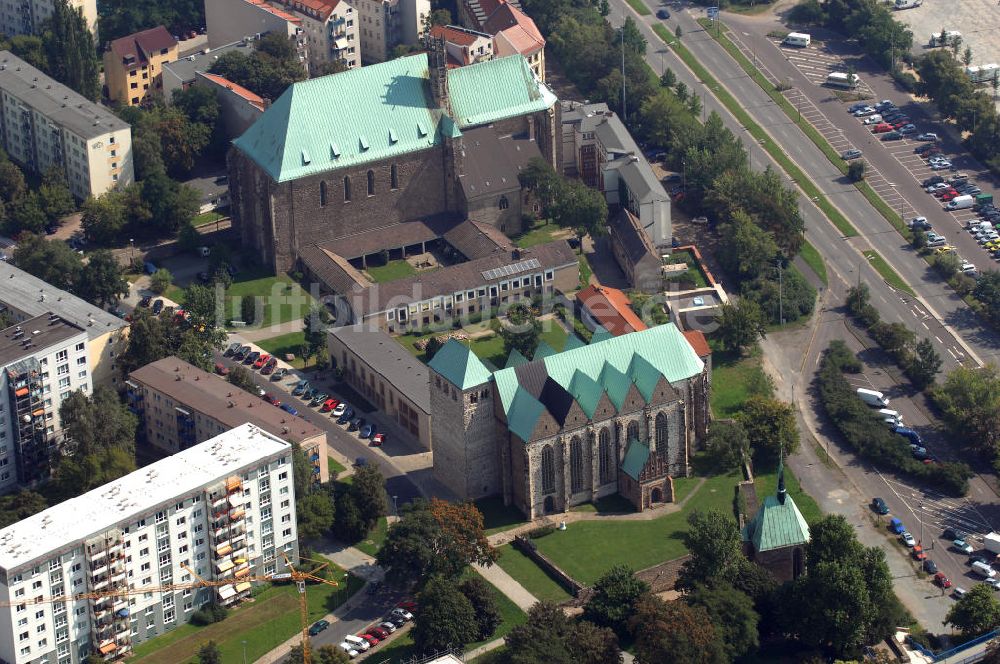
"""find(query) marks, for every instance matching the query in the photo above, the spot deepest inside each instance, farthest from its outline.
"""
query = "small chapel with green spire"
(776, 536)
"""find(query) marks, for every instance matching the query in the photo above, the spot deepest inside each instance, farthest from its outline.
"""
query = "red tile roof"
(516, 28)
(454, 35)
(611, 308)
(254, 99)
(280, 13)
(698, 342)
(142, 44)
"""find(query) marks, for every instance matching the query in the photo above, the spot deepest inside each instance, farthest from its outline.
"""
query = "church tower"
(437, 65)
(466, 458)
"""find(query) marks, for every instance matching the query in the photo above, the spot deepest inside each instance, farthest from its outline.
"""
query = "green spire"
(781, 478)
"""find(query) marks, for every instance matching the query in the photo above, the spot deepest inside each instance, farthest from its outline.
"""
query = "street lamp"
(244, 652)
(395, 511)
(131, 253)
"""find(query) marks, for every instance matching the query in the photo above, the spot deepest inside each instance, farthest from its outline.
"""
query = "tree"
(54, 196)
(105, 218)
(20, 505)
(482, 596)
(770, 426)
(203, 305)
(967, 56)
(70, 50)
(147, 341)
(681, 90)
(52, 262)
(446, 618)
(750, 249)
(12, 184)
(590, 644)
(740, 324)
(674, 632)
(969, 399)
(241, 377)
(579, 207)
(733, 615)
(322, 655)
(368, 490)
(25, 215)
(925, 364)
(102, 280)
(716, 550)
(160, 281)
(316, 324)
(856, 171)
(210, 654)
(614, 599)
(314, 514)
(678, 32)
(668, 78)
(248, 309)
(440, 17)
(728, 443)
(348, 525)
(858, 297)
(98, 422)
(267, 71)
(694, 105)
(543, 637)
(521, 331)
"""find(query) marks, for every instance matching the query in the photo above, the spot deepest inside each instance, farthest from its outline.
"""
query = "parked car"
(399, 611)
(308, 394)
(269, 367)
(863, 111)
(221, 369)
(252, 357)
(920, 223)
(289, 408)
(873, 119)
(942, 580)
(261, 361)
(851, 154)
(907, 129)
(880, 506)
(231, 349)
(378, 439)
(855, 106)
(380, 632)
(398, 621)
(881, 128)
(347, 416)
(279, 373)
(892, 136)
(930, 566)
(934, 179)
(348, 648)
(927, 136)
(896, 526)
(339, 409)
(940, 165)
(271, 399)
(663, 14)
(370, 638)
(318, 627)
(918, 553)
(907, 539)
(884, 104)
(328, 405)
(300, 387)
(367, 431)
(318, 399)
(356, 424)
(958, 592)
(157, 307)
(242, 353)
(963, 546)
(940, 185)
(388, 626)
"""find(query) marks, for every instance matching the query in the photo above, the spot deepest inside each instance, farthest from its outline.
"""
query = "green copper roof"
(542, 351)
(515, 359)
(495, 90)
(615, 383)
(644, 375)
(523, 414)
(459, 365)
(573, 341)
(636, 455)
(586, 391)
(776, 525)
(601, 334)
(358, 116)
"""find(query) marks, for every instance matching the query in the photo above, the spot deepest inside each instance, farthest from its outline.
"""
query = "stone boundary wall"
(662, 577)
(528, 548)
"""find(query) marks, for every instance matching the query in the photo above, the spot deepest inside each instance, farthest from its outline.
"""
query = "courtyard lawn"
(734, 378)
(491, 347)
(376, 537)
(336, 468)
(391, 271)
(207, 218)
(613, 504)
(540, 233)
(263, 624)
(524, 570)
(694, 273)
(283, 344)
(284, 300)
(585, 271)
(498, 517)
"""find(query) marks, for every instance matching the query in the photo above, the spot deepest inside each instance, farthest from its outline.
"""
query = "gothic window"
(347, 189)
(548, 470)
(503, 203)
(322, 193)
(576, 464)
(606, 461)
(371, 183)
(394, 177)
(633, 431)
(661, 432)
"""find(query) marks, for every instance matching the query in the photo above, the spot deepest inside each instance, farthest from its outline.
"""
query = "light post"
(131, 251)
(244, 652)
(395, 511)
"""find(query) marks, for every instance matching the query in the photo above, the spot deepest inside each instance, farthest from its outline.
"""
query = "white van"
(873, 398)
(798, 39)
(839, 79)
(357, 642)
(949, 37)
(889, 412)
(983, 569)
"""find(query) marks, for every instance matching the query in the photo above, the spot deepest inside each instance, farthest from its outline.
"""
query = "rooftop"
(117, 503)
(459, 365)
(493, 162)
(481, 10)
(32, 297)
(496, 89)
(386, 356)
(633, 238)
(186, 69)
(55, 101)
(220, 400)
(456, 34)
(698, 341)
(515, 31)
(611, 308)
(778, 523)
(251, 98)
(141, 45)
(30, 336)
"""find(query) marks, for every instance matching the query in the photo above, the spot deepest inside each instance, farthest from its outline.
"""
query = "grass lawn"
(264, 624)
(734, 378)
(812, 258)
(613, 504)
(683, 486)
(498, 517)
(391, 271)
(207, 218)
(336, 468)
(886, 272)
(175, 293)
(283, 344)
(531, 576)
(283, 299)
(376, 537)
(585, 271)
(639, 7)
(540, 233)
(491, 347)
(694, 273)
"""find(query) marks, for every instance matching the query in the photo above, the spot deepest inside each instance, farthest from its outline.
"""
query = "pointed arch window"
(633, 431)
(371, 183)
(322, 193)
(576, 464)
(661, 432)
(347, 189)
(548, 470)
(394, 177)
(606, 462)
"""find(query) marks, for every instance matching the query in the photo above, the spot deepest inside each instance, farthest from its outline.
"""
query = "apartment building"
(23, 296)
(222, 511)
(386, 24)
(230, 21)
(45, 124)
(179, 406)
(464, 46)
(183, 73)
(26, 17)
(513, 31)
(330, 31)
(133, 66)
(42, 361)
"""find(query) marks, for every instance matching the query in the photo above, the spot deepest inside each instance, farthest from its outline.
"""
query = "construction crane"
(297, 576)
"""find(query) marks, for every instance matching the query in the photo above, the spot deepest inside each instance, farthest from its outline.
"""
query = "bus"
(798, 39)
(842, 80)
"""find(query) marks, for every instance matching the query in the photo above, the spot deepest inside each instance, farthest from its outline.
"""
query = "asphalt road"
(845, 263)
(367, 613)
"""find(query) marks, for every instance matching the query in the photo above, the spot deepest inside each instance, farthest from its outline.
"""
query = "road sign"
(713, 13)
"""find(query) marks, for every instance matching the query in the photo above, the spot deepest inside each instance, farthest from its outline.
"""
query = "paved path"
(255, 334)
(506, 584)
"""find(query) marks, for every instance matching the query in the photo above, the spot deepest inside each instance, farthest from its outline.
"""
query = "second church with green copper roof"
(620, 415)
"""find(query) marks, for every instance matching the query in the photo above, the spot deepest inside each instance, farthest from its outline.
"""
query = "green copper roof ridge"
(543, 350)
(515, 359)
(459, 365)
(586, 391)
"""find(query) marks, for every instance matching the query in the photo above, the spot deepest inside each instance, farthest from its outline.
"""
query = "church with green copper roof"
(620, 415)
(776, 536)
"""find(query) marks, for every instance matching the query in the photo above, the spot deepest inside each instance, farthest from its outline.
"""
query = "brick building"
(370, 148)
(513, 31)
(777, 535)
(620, 415)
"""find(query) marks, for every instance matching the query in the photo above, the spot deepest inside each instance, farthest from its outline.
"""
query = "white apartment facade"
(26, 17)
(386, 24)
(45, 124)
(330, 29)
(42, 361)
(222, 510)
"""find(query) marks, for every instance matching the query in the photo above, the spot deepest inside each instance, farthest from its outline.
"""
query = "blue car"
(288, 408)
(909, 434)
(896, 526)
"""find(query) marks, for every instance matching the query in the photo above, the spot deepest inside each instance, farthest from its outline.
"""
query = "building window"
(633, 431)
(548, 470)
(347, 189)
(393, 177)
(576, 464)
(322, 193)
(503, 204)
(606, 462)
(371, 183)
(661, 433)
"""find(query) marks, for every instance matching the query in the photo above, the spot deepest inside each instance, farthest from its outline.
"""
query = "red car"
(261, 361)
(942, 580)
(270, 398)
(221, 369)
(409, 605)
(379, 632)
(882, 127)
(948, 196)
(373, 640)
(900, 124)
(378, 440)
(945, 192)
(328, 405)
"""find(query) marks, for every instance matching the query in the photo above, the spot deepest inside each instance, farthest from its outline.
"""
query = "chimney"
(437, 65)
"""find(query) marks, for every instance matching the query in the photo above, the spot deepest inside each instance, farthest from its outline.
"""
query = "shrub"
(208, 614)
(856, 171)
(905, 79)
(540, 532)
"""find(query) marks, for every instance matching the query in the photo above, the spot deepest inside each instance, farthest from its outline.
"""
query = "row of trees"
(268, 70)
(969, 401)
(865, 432)
(99, 279)
(32, 210)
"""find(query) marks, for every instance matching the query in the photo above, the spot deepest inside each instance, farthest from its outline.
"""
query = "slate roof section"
(515, 359)
(523, 414)
(492, 162)
(459, 365)
(475, 239)
(543, 350)
(636, 456)
(586, 391)
(600, 334)
(632, 236)
(140, 45)
(573, 341)
(392, 236)
(495, 90)
(332, 269)
(388, 358)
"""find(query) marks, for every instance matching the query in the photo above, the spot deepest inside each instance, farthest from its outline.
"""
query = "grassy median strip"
(639, 6)
(886, 272)
(813, 259)
(755, 130)
(806, 127)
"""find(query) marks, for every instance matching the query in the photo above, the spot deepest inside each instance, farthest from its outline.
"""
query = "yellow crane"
(297, 576)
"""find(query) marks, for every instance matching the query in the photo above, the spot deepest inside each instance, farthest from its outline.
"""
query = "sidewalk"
(506, 584)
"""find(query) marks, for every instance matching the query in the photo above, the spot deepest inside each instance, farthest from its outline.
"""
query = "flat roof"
(34, 334)
(186, 69)
(116, 503)
(32, 297)
(387, 357)
(56, 101)
(219, 399)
